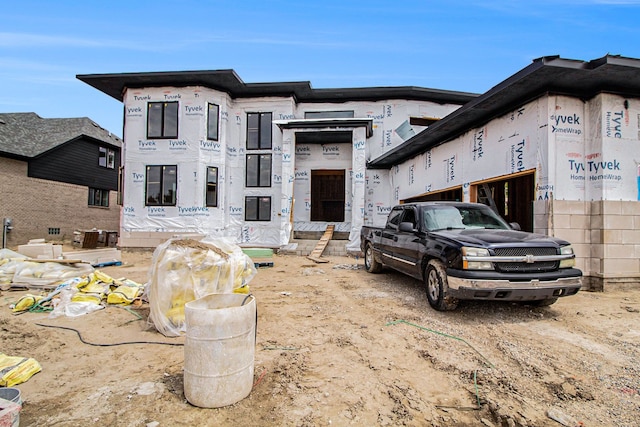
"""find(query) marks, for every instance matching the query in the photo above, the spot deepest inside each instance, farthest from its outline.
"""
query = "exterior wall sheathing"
(147, 226)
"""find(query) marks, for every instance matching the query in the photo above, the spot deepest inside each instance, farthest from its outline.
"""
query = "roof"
(28, 135)
(228, 81)
(549, 74)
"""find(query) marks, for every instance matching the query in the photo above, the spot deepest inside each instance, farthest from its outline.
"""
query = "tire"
(370, 262)
(542, 302)
(437, 287)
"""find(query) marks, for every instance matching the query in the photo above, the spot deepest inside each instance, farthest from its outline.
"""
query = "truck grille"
(524, 267)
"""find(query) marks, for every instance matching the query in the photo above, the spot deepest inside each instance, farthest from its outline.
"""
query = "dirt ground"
(339, 346)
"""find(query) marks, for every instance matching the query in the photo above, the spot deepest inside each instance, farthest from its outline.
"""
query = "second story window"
(213, 111)
(258, 131)
(162, 120)
(107, 158)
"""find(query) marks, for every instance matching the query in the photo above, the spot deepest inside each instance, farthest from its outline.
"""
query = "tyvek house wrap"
(578, 151)
(349, 157)
(192, 153)
(595, 148)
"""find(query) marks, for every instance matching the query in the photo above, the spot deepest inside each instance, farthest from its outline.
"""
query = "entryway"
(327, 195)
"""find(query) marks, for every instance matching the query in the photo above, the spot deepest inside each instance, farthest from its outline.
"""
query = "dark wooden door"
(327, 195)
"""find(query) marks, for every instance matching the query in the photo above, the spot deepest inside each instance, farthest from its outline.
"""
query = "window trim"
(259, 169)
(108, 160)
(258, 199)
(260, 130)
(161, 202)
(206, 189)
(163, 134)
(217, 116)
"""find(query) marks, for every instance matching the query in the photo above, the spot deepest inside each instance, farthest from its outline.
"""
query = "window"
(161, 183)
(257, 208)
(212, 186)
(410, 216)
(98, 197)
(212, 122)
(258, 170)
(329, 114)
(162, 120)
(107, 158)
(258, 131)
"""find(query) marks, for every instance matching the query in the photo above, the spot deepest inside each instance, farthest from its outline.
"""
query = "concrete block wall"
(36, 205)
(605, 235)
(615, 238)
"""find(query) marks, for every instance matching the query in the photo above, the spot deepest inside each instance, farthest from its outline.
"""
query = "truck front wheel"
(437, 287)
(370, 263)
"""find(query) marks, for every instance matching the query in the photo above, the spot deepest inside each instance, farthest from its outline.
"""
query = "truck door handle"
(395, 238)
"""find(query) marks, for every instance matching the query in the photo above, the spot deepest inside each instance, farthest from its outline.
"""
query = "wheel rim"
(367, 257)
(433, 286)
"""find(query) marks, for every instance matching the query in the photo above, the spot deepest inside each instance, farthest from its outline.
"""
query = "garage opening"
(511, 197)
(451, 194)
(327, 195)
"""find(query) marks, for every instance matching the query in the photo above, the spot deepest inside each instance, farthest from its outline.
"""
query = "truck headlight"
(567, 263)
(470, 261)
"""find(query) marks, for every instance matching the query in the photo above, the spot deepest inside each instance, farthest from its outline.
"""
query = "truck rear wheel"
(437, 287)
(370, 263)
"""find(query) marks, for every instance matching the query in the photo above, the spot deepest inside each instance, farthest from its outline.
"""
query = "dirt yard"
(339, 346)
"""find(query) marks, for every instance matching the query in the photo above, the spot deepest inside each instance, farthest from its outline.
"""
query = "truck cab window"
(410, 216)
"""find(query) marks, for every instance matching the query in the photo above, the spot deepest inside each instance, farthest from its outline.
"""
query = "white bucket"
(10, 412)
(219, 349)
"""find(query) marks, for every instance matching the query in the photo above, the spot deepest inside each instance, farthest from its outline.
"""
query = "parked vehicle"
(465, 251)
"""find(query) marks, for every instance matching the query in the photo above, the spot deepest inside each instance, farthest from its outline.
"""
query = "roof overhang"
(550, 74)
(116, 85)
(331, 124)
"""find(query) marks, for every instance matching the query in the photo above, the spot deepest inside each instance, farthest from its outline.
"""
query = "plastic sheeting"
(183, 270)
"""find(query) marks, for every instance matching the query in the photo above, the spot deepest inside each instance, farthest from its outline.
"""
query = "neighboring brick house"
(57, 176)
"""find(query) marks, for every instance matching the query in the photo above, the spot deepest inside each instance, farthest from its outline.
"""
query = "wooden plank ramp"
(316, 254)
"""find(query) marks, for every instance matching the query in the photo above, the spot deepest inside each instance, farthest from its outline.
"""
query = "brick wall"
(35, 205)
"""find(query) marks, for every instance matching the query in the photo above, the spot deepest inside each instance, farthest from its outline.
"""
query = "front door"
(327, 195)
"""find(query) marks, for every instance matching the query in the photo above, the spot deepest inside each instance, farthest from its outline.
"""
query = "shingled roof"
(26, 135)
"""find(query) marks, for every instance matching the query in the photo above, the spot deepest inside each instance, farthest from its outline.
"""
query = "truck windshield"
(446, 217)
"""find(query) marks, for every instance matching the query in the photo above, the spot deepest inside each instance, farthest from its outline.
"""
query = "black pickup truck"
(465, 251)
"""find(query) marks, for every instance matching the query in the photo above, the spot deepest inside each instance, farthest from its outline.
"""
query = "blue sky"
(453, 45)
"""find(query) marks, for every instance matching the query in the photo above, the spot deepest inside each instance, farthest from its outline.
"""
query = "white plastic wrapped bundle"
(183, 270)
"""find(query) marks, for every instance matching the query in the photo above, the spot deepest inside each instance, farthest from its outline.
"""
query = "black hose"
(112, 344)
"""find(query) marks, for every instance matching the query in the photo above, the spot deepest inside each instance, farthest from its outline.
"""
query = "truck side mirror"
(406, 226)
(515, 226)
